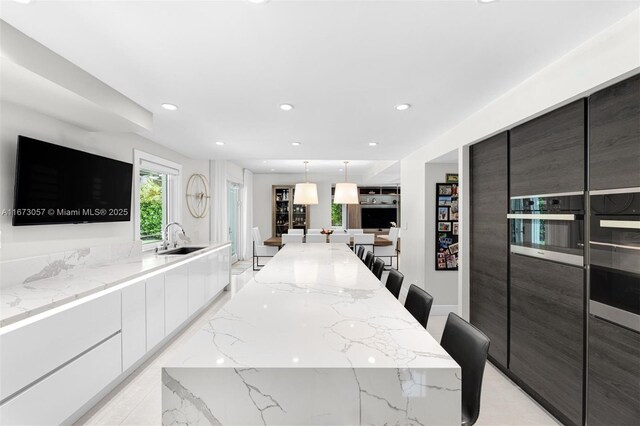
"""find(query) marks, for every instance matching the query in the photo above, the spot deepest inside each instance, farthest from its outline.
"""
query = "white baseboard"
(443, 309)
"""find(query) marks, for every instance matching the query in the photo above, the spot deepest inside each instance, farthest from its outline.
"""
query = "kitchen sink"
(182, 250)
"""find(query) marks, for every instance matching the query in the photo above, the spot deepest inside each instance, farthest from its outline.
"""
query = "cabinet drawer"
(32, 351)
(155, 310)
(614, 374)
(61, 394)
(547, 153)
(547, 317)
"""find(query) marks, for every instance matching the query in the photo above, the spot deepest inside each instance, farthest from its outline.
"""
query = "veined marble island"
(316, 339)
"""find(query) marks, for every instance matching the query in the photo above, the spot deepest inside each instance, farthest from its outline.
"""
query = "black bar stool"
(378, 268)
(419, 303)
(394, 282)
(368, 260)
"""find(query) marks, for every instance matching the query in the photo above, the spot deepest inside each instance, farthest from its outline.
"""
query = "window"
(336, 215)
(157, 197)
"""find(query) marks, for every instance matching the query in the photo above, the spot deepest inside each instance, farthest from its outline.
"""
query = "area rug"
(240, 266)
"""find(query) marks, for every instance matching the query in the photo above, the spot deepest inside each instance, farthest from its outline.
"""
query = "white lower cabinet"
(176, 297)
(197, 279)
(134, 328)
(211, 286)
(224, 268)
(155, 310)
(59, 395)
(34, 350)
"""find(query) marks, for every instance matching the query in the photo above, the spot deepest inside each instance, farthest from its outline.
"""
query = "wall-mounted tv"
(378, 217)
(55, 185)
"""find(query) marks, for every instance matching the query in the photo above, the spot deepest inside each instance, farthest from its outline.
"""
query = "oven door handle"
(542, 216)
(596, 243)
(626, 224)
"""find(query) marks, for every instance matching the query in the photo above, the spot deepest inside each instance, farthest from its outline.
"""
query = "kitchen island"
(314, 338)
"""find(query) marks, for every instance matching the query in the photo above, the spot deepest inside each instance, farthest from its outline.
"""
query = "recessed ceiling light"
(286, 107)
(403, 107)
(264, 162)
(273, 170)
(258, 1)
(219, 143)
(170, 107)
(22, 1)
(486, 1)
(296, 143)
(373, 143)
(339, 170)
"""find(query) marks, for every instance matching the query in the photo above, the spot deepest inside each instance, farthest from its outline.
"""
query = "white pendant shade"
(346, 193)
(306, 193)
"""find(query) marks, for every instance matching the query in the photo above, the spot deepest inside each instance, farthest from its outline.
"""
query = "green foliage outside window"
(151, 214)
(336, 214)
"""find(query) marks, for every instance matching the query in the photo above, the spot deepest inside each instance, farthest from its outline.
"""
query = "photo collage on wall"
(447, 225)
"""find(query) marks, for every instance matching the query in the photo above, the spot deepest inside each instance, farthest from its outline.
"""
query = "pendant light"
(346, 193)
(306, 193)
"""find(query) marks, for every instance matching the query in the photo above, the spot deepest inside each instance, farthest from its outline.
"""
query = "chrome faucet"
(165, 239)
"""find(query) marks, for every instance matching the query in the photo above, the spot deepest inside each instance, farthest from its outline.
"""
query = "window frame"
(145, 161)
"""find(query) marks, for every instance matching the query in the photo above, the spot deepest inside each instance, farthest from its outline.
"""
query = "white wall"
(608, 57)
(32, 240)
(319, 215)
(442, 285)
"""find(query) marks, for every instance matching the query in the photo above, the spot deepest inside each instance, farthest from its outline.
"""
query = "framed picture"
(451, 178)
(453, 248)
(455, 228)
(445, 190)
(444, 226)
(444, 201)
(443, 213)
(454, 216)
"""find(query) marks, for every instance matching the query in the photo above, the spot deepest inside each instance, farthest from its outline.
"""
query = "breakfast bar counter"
(314, 338)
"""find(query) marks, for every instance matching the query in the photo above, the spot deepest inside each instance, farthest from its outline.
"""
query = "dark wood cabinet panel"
(614, 375)
(547, 153)
(614, 136)
(489, 242)
(547, 318)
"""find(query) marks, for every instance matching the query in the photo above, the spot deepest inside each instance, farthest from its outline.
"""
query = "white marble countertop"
(313, 306)
(26, 299)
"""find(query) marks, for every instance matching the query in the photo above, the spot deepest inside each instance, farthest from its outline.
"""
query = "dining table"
(379, 241)
(313, 339)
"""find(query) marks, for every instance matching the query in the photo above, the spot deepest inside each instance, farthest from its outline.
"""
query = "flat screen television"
(55, 185)
(378, 218)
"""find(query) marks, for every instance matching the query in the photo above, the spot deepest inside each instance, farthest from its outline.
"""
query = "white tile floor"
(137, 401)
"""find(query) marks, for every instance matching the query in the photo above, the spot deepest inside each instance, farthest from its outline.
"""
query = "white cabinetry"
(155, 310)
(134, 328)
(197, 279)
(59, 395)
(34, 350)
(224, 266)
(176, 290)
(211, 285)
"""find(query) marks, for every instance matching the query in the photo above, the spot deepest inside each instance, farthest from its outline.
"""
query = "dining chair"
(354, 231)
(394, 282)
(260, 250)
(316, 238)
(418, 303)
(469, 347)
(292, 238)
(378, 268)
(364, 240)
(314, 231)
(340, 238)
(390, 251)
(292, 231)
(368, 260)
(361, 253)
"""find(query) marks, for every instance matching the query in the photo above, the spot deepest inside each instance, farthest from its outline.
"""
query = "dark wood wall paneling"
(490, 242)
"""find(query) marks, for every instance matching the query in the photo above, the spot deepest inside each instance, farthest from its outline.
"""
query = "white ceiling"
(356, 167)
(344, 65)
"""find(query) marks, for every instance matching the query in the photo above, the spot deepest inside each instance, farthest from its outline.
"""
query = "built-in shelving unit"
(286, 214)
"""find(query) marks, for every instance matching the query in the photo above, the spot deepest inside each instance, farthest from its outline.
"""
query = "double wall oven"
(549, 227)
(614, 249)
